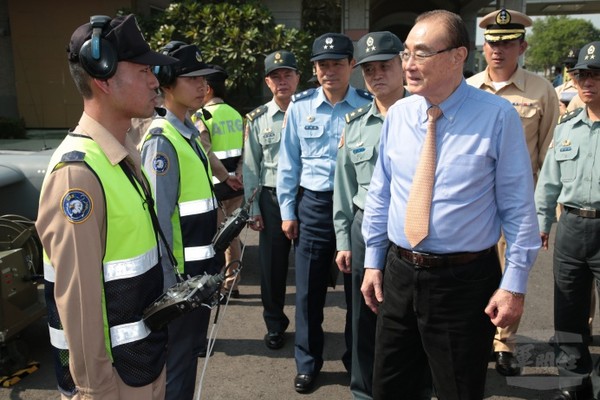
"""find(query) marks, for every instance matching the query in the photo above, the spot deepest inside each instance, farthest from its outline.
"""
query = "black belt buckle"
(419, 259)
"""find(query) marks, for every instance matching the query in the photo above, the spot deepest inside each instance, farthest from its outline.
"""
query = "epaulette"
(157, 130)
(569, 115)
(301, 95)
(365, 94)
(257, 112)
(73, 156)
(352, 115)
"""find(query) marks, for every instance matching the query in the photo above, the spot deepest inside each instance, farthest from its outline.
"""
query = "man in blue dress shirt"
(312, 132)
(442, 298)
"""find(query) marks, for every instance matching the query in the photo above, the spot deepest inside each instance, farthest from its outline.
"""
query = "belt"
(270, 189)
(583, 212)
(429, 260)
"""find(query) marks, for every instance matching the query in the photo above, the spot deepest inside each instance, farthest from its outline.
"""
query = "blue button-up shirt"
(483, 182)
(308, 152)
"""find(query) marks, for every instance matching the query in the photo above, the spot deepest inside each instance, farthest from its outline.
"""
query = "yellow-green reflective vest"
(131, 272)
(195, 218)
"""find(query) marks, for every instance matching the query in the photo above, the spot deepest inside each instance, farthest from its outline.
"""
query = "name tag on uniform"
(358, 150)
(311, 127)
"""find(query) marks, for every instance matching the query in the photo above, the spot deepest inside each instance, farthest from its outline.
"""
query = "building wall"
(287, 12)
(8, 91)
(40, 32)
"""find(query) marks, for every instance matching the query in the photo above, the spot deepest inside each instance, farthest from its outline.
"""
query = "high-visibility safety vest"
(194, 221)
(226, 129)
(132, 276)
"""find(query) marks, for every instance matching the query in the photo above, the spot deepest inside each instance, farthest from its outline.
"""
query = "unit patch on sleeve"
(160, 164)
(77, 206)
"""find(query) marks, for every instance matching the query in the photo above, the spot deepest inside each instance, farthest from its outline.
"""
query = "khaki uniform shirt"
(261, 149)
(356, 159)
(535, 100)
(76, 251)
(570, 174)
(575, 103)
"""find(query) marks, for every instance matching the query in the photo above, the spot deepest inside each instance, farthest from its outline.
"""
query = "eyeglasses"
(583, 75)
(421, 56)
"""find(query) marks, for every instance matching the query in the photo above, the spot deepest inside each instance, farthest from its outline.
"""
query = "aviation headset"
(166, 74)
(98, 56)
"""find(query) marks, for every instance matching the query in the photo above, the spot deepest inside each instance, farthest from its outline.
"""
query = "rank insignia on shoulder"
(363, 93)
(301, 95)
(73, 156)
(77, 206)
(569, 115)
(251, 116)
(157, 130)
(160, 164)
(360, 111)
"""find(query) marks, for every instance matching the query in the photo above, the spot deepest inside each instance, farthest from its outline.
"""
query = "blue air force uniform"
(307, 160)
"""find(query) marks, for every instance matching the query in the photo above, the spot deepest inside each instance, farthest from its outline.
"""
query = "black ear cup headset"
(98, 56)
(166, 73)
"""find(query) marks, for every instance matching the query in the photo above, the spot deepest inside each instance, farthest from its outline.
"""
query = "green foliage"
(12, 128)
(552, 38)
(234, 34)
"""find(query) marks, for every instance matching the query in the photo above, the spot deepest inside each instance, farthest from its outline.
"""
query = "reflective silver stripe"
(127, 333)
(49, 273)
(196, 207)
(197, 253)
(222, 155)
(136, 266)
(58, 338)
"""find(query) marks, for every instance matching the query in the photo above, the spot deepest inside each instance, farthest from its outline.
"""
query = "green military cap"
(377, 46)
(589, 57)
(503, 24)
(280, 59)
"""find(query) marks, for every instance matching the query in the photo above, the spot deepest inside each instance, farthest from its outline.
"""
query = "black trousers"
(576, 263)
(433, 320)
(273, 249)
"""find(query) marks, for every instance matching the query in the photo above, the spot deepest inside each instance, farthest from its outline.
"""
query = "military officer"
(313, 129)
(262, 140)
(536, 102)
(570, 176)
(378, 54)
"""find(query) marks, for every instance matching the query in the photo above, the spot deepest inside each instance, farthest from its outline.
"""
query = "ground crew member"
(222, 136)
(312, 132)
(180, 175)
(378, 56)
(569, 176)
(535, 100)
(101, 263)
(262, 140)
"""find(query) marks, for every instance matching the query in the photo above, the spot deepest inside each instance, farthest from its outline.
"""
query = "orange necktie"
(416, 226)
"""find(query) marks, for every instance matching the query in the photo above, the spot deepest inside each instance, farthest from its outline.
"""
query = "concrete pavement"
(243, 368)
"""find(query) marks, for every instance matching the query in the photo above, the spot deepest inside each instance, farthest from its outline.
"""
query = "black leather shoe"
(574, 395)
(506, 364)
(275, 340)
(303, 383)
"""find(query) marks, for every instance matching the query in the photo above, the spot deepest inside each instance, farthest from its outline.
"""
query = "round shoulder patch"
(160, 164)
(77, 206)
